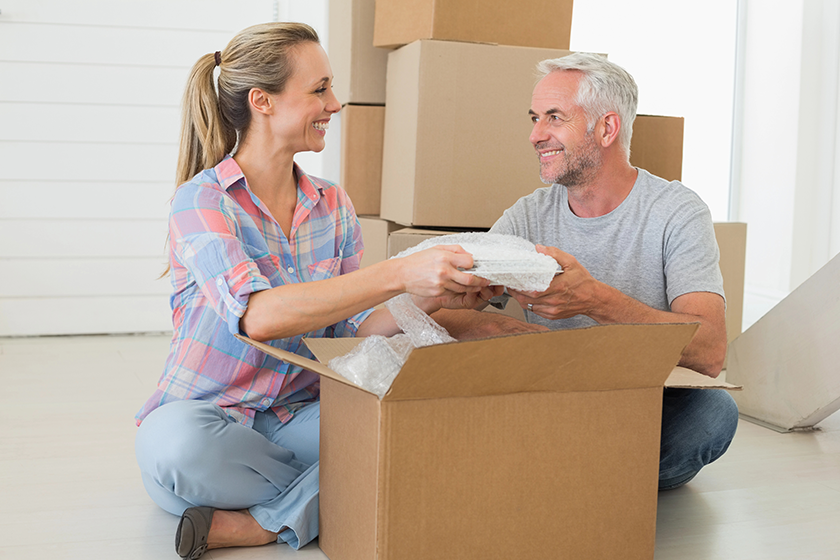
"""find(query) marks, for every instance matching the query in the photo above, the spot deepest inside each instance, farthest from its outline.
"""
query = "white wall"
(89, 114)
(682, 56)
(89, 106)
(786, 177)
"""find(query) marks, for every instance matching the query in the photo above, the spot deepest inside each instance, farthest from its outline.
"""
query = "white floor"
(70, 488)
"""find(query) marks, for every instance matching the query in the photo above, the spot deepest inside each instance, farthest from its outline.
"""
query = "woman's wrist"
(427, 304)
(390, 276)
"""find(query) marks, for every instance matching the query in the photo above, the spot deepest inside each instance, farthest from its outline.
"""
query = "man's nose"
(538, 133)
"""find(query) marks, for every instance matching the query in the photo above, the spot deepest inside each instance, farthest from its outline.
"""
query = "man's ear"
(610, 124)
(260, 101)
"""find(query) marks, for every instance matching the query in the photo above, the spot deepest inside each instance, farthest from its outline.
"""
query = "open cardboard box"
(542, 445)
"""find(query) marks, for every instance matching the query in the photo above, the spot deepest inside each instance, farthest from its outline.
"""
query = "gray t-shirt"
(658, 244)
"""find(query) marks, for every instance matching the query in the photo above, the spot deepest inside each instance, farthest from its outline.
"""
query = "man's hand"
(573, 292)
(576, 292)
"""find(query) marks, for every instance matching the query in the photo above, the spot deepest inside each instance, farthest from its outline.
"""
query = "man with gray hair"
(634, 248)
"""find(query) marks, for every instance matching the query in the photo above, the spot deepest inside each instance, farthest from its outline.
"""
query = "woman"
(229, 440)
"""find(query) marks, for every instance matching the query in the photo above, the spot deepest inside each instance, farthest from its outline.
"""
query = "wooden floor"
(71, 489)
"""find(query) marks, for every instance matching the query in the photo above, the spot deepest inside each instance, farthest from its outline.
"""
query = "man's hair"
(604, 87)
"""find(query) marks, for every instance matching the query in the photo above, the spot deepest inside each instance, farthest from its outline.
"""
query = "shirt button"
(266, 402)
(220, 282)
(340, 253)
(291, 270)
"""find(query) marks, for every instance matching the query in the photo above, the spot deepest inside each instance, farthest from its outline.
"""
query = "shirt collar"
(228, 173)
(313, 190)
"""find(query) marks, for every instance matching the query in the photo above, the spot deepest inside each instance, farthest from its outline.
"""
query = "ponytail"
(205, 137)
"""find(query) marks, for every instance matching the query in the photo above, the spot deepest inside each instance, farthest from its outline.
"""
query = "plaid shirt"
(224, 245)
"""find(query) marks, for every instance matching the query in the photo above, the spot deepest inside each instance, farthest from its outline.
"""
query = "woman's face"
(302, 112)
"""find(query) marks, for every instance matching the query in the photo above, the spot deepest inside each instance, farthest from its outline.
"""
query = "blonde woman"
(229, 440)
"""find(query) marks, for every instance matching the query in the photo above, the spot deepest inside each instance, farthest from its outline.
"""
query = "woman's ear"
(260, 101)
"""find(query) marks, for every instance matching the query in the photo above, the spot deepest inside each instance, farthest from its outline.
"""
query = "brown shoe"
(191, 536)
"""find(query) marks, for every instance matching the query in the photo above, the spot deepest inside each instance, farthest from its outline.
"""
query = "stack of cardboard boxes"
(533, 446)
(434, 132)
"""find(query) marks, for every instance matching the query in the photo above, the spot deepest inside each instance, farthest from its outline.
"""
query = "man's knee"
(721, 420)
(698, 426)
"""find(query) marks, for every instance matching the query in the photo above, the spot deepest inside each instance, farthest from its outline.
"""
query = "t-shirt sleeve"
(506, 224)
(691, 253)
(204, 241)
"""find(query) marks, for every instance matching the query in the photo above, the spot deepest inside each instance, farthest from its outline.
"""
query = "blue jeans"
(191, 453)
(697, 428)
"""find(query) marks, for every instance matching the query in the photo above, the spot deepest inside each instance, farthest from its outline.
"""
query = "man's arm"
(471, 324)
(576, 292)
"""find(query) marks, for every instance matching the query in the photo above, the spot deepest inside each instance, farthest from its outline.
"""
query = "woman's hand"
(467, 300)
(438, 272)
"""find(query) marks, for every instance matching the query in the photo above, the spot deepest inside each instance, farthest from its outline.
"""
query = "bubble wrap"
(505, 260)
(375, 362)
(421, 329)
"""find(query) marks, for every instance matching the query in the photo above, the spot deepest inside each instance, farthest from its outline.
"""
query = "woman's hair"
(214, 118)
(604, 87)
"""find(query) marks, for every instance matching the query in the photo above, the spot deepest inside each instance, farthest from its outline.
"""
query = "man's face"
(568, 154)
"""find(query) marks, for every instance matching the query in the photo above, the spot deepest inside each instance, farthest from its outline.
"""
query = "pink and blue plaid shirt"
(225, 245)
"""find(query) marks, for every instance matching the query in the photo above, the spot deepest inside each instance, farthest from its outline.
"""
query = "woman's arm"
(432, 275)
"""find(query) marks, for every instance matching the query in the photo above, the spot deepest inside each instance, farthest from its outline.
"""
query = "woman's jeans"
(192, 454)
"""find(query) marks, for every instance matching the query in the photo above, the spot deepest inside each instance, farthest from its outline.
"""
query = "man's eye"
(321, 90)
(534, 120)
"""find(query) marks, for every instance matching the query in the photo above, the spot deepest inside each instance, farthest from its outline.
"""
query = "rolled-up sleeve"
(205, 242)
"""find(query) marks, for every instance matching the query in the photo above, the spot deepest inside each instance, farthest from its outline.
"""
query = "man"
(634, 248)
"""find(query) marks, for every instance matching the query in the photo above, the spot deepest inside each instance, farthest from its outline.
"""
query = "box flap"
(325, 349)
(305, 363)
(599, 358)
(684, 378)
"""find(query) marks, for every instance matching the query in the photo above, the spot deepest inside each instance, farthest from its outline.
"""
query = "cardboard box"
(529, 23)
(404, 238)
(358, 66)
(375, 233)
(788, 359)
(657, 145)
(456, 151)
(732, 242)
(362, 128)
(552, 437)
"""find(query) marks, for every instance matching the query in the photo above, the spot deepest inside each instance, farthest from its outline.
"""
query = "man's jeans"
(697, 428)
